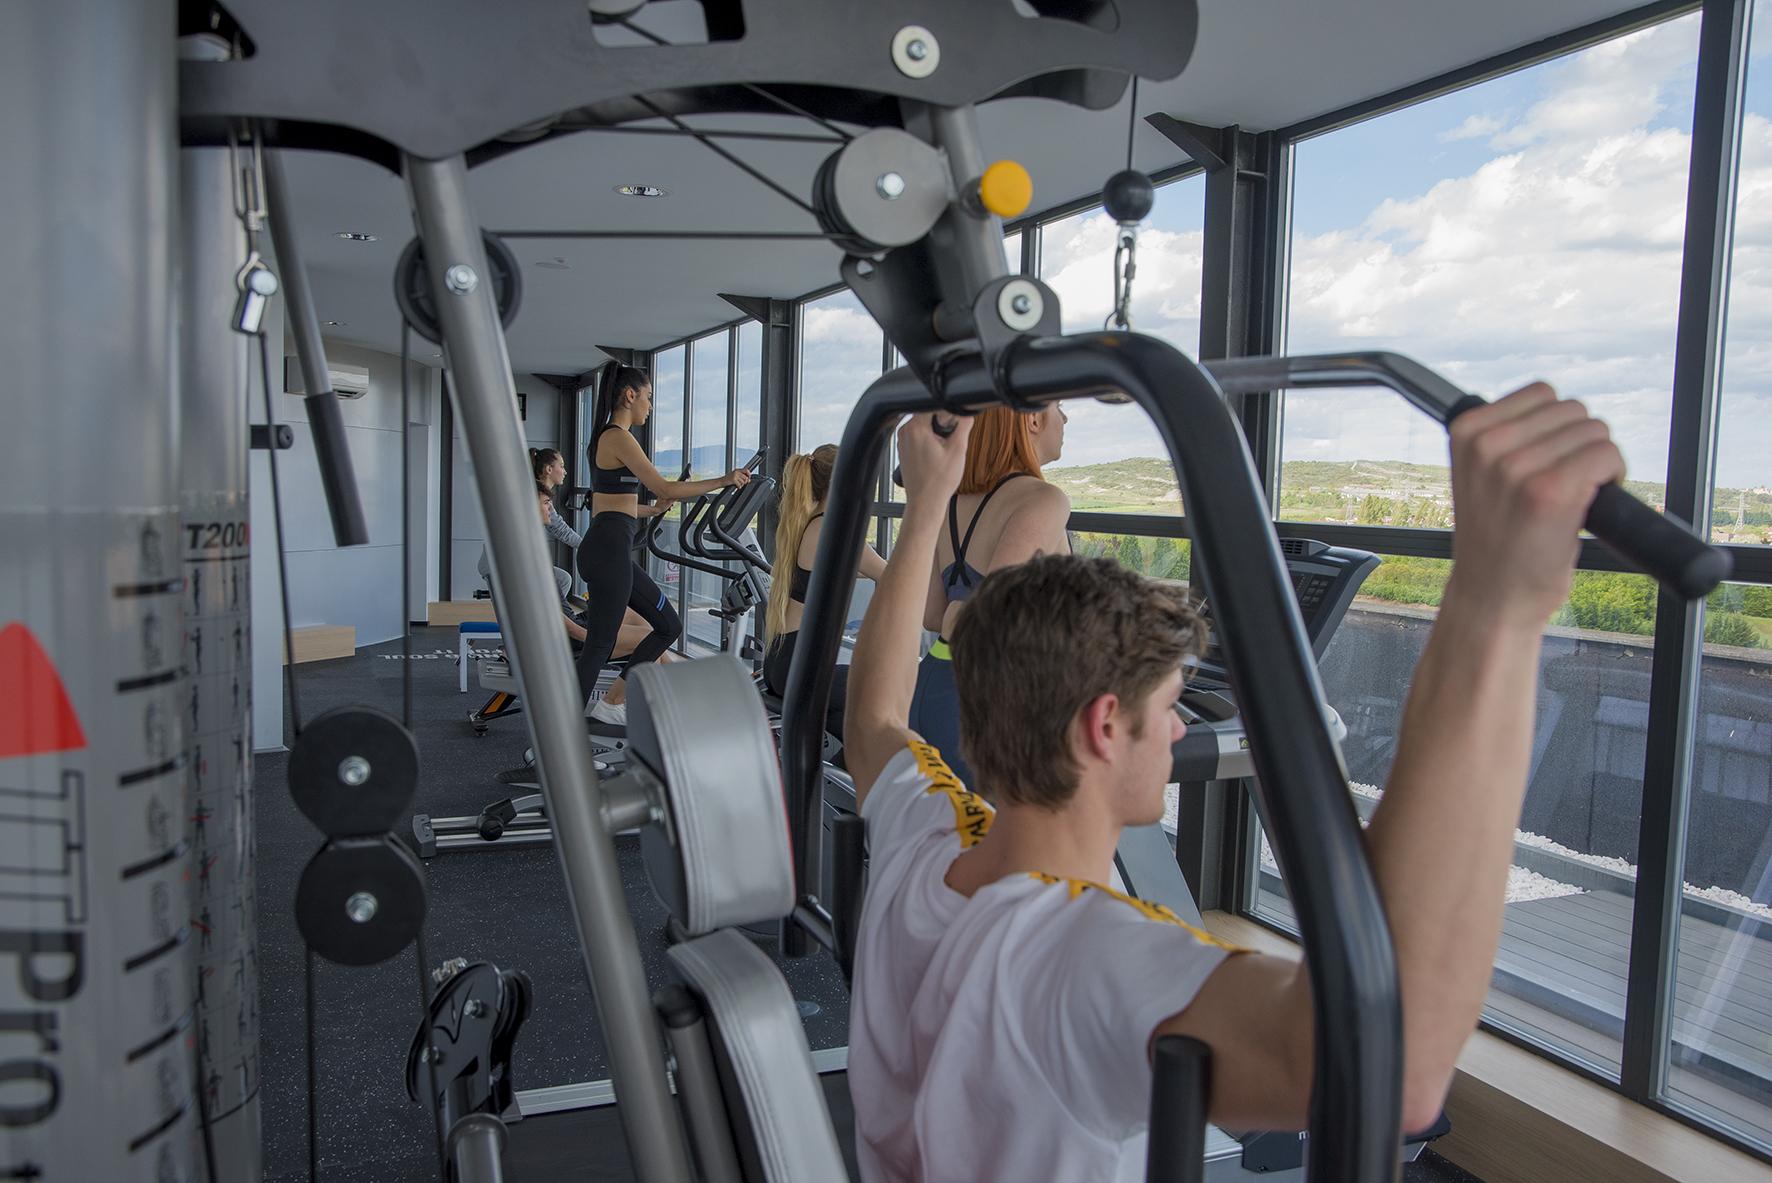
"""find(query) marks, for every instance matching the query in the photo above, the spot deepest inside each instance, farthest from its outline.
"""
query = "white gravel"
(1522, 884)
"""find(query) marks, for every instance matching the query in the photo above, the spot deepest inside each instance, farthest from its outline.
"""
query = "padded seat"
(720, 859)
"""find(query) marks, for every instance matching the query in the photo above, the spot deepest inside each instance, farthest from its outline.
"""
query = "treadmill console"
(1324, 581)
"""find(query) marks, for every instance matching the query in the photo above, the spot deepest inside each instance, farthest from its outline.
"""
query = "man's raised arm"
(883, 672)
(1524, 470)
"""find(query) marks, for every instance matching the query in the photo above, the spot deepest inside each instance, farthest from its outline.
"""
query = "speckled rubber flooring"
(507, 906)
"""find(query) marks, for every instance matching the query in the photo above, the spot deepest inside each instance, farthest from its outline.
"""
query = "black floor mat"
(507, 906)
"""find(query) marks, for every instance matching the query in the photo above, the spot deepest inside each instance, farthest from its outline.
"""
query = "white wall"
(357, 585)
(541, 426)
(360, 585)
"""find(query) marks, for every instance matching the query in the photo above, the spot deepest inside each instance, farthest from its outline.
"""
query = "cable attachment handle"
(1127, 197)
(255, 281)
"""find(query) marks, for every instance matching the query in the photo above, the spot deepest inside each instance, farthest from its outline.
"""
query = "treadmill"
(1325, 580)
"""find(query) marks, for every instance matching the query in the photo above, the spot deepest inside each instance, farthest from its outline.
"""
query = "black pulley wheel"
(412, 286)
(360, 900)
(354, 770)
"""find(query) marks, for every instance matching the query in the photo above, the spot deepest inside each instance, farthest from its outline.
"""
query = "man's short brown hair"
(1039, 641)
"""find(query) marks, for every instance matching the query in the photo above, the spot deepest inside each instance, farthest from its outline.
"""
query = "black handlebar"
(1356, 1100)
(1654, 543)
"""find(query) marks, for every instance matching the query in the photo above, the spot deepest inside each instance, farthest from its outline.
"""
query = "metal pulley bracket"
(360, 900)
(462, 1048)
(354, 771)
(1008, 309)
(412, 285)
(885, 188)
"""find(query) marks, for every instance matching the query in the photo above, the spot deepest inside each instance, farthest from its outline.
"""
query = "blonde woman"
(805, 482)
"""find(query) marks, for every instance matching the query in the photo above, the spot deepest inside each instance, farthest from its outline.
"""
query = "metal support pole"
(486, 401)
(1679, 632)
(476, 1149)
(337, 475)
(95, 946)
(215, 542)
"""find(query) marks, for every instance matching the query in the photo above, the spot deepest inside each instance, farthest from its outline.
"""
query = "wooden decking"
(1568, 956)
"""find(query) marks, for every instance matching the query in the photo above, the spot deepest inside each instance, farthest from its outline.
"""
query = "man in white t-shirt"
(1005, 1000)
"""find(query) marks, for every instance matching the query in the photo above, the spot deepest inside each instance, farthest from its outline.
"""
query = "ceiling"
(1258, 63)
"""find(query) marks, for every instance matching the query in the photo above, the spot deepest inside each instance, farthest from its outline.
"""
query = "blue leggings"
(935, 712)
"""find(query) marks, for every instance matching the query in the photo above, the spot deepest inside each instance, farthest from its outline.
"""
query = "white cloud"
(1474, 127)
(1559, 259)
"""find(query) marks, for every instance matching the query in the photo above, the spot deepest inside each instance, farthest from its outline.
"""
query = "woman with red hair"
(995, 520)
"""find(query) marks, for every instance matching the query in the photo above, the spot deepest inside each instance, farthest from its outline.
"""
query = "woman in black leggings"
(614, 582)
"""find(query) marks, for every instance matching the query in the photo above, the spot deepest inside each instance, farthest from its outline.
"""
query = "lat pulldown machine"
(915, 208)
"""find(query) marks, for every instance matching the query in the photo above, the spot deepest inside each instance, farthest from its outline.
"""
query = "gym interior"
(308, 874)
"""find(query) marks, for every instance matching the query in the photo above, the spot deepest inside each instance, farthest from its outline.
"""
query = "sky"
(1528, 227)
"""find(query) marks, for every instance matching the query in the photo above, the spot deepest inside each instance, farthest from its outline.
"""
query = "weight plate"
(354, 770)
(360, 900)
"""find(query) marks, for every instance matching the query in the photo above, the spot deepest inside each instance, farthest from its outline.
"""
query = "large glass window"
(1561, 968)
(1528, 227)
(667, 454)
(1741, 511)
(667, 411)
(1113, 460)
(708, 394)
(747, 428)
(840, 354)
(1721, 1058)
(707, 445)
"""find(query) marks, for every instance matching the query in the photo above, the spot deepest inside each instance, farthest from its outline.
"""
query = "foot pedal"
(494, 818)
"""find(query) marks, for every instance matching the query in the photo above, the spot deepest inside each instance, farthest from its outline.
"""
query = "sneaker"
(605, 712)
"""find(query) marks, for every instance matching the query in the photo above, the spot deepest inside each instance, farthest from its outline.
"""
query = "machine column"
(96, 1044)
(215, 542)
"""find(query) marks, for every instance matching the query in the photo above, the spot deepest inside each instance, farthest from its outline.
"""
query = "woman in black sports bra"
(619, 467)
(805, 481)
(999, 518)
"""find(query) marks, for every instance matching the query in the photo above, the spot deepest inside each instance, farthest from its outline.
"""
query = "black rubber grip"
(1662, 547)
(338, 477)
(1658, 545)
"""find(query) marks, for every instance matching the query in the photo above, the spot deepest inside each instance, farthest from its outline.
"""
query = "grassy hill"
(1362, 492)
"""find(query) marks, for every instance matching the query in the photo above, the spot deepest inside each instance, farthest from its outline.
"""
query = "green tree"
(1129, 554)
(1164, 557)
(1730, 628)
(1375, 510)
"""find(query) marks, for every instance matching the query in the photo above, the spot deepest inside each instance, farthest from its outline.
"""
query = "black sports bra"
(800, 582)
(959, 578)
(610, 480)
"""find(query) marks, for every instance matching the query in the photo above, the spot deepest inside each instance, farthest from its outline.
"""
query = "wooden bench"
(451, 613)
(321, 642)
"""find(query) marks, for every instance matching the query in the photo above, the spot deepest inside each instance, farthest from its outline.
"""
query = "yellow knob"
(1006, 189)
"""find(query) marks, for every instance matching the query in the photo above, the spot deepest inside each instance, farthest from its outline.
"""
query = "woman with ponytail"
(805, 481)
(994, 521)
(614, 582)
(549, 469)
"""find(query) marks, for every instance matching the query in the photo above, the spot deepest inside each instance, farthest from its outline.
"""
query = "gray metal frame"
(1220, 858)
(485, 397)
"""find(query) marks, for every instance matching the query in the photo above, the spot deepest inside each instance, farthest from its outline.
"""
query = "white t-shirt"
(1003, 1036)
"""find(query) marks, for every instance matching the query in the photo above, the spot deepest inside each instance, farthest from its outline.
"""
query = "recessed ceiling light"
(555, 264)
(642, 191)
(354, 236)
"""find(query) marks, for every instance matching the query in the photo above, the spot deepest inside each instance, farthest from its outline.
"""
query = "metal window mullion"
(684, 574)
(1673, 680)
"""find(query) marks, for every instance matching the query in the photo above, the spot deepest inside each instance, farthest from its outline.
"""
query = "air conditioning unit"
(347, 380)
